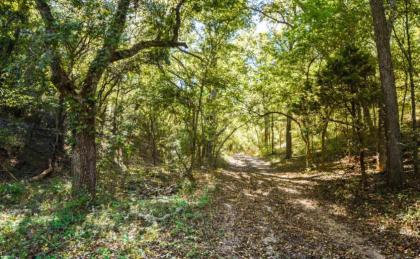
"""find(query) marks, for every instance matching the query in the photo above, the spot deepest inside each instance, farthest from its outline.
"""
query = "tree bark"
(381, 149)
(404, 98)
(59, 145)
(272, 134)
(153, 139)
(308, 151)
(266, 131)
(323, 141)
(288, 138)
(382, 39)
(84, 153)
(361, 146)
(368, 119)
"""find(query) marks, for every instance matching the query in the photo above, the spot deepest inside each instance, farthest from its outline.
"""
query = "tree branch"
(281, 113)
(283, 21)
(59, 77)
(136, 48)
(104, 55)
(177, 26)
(172, 43)
(190, 53)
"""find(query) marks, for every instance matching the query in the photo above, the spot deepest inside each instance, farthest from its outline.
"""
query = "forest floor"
(269, 212)
(249, 209)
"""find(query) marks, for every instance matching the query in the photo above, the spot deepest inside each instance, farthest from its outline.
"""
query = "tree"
(83, 93)
(392, 128)
(347, 84)
(407, 47)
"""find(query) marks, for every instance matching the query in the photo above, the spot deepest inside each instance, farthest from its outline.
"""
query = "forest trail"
(266, 212)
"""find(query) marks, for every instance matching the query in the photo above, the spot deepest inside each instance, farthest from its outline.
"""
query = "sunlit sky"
(262, 27)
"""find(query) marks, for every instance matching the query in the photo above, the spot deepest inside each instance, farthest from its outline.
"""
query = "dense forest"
(209, 129)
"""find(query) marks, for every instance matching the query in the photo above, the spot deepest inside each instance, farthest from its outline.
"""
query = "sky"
(262, 27)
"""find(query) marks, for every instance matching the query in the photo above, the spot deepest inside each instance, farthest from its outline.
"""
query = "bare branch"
(282, 21)
(191, 54)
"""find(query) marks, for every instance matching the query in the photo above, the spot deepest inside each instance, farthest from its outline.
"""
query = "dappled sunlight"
(288, 213)
(288, 190)
(111, 226)
(306, 203)
(209, 129)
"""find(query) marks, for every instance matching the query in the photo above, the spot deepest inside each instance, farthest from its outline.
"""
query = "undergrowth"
(43, 220)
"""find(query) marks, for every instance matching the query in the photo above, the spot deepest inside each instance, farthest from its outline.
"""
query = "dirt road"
(264, 212)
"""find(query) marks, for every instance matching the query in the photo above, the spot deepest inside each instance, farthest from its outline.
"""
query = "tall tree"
(407, 48)
(382, 38)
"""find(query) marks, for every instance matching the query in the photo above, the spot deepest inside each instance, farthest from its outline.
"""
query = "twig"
(9, 173)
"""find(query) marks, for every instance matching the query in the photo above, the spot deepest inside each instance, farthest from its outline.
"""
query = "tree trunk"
(323, 140)
(368, 119)
(381, 149)
(308, 153)
(59, 146)
(153, 131)
(288, 138)
(363, 167)
(272, 134)
(84, 153)
(266, 131)
(361, 145)
(193, 148)
(382, 39)
(412, 88)
(280, 134)
(404, 98)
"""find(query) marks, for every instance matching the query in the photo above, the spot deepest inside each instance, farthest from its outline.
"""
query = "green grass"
(41, 219)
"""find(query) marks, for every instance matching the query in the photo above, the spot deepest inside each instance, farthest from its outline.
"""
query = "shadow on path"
(266, 213)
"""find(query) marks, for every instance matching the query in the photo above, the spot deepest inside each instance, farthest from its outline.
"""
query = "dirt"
(263, 212)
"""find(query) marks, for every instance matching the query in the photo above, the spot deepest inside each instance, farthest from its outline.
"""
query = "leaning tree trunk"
(382, 39)
(84, 153)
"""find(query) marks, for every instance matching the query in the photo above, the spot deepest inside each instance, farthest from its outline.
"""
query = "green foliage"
(56, 224)
(170, 111)
(11, 193)
(349, 76)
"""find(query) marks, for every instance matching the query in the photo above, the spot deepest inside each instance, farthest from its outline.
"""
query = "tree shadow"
(387, 218)
(294, 206)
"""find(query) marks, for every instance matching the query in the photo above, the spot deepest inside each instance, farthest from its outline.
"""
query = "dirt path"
(266, 213)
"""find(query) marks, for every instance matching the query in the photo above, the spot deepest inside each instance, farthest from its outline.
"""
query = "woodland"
(209, 129)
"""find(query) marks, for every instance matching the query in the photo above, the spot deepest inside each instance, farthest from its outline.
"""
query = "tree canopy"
(98, 91)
